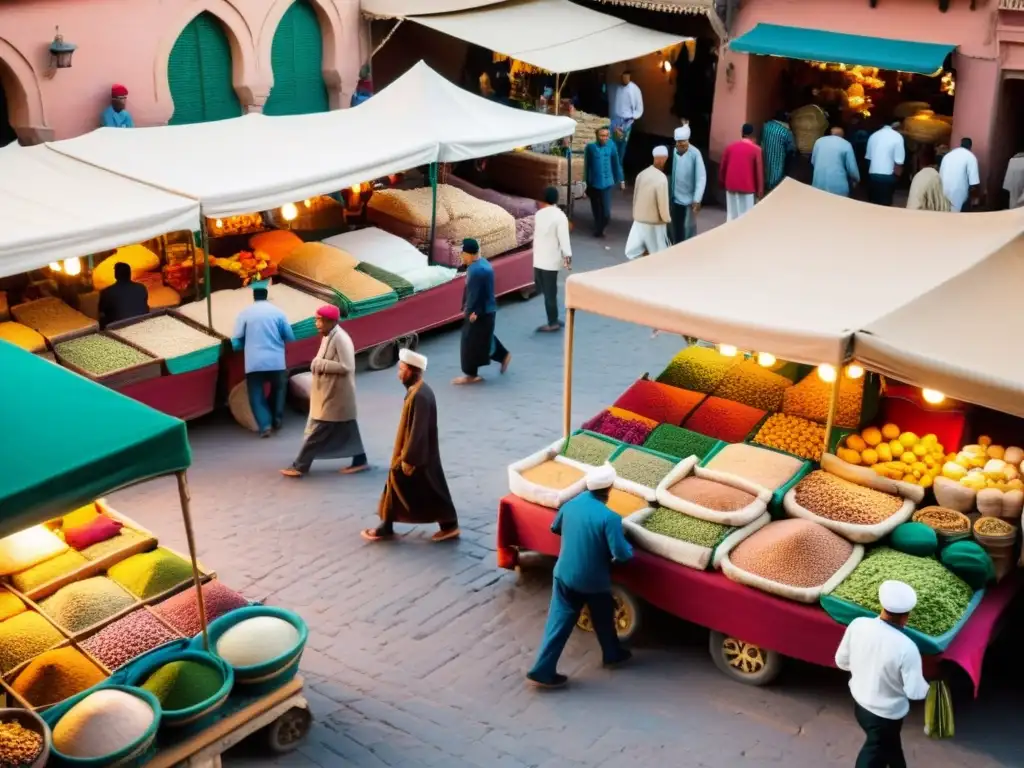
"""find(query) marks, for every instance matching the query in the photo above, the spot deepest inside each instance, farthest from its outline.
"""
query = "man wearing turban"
(651, 214)
(115, 115)
(689, 179)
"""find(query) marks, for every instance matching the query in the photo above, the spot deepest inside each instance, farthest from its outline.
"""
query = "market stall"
(101, 623)
(766, 498)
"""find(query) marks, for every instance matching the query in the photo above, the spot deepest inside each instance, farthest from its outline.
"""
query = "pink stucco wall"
(130, 41)
(742, 79)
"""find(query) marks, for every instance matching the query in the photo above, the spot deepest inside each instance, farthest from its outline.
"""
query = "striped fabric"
(778, 144)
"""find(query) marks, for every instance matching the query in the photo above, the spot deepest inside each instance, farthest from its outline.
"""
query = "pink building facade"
(130, 42)
(988, 61)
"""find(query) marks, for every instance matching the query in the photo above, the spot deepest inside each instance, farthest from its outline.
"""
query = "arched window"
(199, 73)
(296, 56)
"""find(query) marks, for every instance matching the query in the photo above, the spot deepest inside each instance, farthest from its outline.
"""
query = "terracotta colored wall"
(130, 41)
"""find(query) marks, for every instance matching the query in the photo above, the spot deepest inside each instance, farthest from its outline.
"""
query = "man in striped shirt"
(779, 148)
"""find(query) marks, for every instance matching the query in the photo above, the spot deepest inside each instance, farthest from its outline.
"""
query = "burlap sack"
(299, 387)
(238, 402)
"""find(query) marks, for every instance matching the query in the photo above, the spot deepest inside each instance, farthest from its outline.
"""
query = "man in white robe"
(651, 212)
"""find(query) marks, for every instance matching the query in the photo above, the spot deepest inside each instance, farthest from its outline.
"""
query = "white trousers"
(737, 203)
(646, 238)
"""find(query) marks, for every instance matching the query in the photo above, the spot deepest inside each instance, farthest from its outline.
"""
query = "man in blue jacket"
(479, 345)
(592, 540)
(602, 171)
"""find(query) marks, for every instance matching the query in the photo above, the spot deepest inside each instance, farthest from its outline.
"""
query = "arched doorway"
(7, 134)
(199, 73)
(296, 57)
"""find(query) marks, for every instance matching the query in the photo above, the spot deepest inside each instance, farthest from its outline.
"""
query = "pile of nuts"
(993, 526)
(19, 746)
(837, 499)
(798, 553)
(942, 519)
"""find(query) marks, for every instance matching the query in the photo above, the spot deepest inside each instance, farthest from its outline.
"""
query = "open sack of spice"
(711, 495)
(857, 512)
(795, 559)
(547, 477)
(640, 470)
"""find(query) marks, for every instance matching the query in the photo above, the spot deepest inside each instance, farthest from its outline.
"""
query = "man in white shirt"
(551, 253)
(1013, 181)
(960, 179)
(885, 674)
(627, 109)
(885, 154)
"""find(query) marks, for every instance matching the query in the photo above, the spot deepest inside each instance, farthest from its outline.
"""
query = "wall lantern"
(60, 52)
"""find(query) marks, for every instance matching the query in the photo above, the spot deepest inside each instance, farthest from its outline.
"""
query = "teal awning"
(65, 440)
(837, 48)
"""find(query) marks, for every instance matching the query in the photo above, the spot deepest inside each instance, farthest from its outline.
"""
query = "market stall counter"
(750, 630)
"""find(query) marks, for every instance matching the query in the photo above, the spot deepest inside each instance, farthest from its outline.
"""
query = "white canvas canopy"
(54, 208)
(555, 35)
(392, 9)
(463, 125)
(801, 273)
(254, 163)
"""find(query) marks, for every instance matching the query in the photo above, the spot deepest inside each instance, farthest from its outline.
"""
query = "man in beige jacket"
(651, 212)
(332, 431)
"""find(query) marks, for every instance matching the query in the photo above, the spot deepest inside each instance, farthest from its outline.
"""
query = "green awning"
(837, 48)
(65, 440)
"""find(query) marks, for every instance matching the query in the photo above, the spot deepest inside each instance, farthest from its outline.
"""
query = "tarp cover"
(556, 35)
(390, 9)
(254, 162)
(464, 125)
(67, 440)
(840, 48)
(940, 339)
(799, 274)
(54, 208)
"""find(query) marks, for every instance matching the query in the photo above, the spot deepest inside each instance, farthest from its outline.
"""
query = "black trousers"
(883, 747)
(547, 284)
(881, 188)
(600, 207)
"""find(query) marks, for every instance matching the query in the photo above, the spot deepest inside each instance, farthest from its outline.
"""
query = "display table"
(709, 599)
(185, 395)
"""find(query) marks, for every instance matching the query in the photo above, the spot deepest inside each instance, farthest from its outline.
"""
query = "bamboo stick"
(186, 511)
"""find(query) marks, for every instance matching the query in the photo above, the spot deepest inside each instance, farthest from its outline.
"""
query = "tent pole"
(433, 212)
(185, 498)
(568, 183)
(205, 245)
(833, 406)
(570, 326)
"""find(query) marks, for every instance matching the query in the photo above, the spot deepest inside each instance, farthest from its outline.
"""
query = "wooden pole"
(570, 326)
(433, 212)
(833, 406)
(186, 498)
(205, 244)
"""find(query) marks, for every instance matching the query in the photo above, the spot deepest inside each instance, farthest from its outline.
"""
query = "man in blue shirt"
(592, 540)
(602, 170)
(262, 330)
(115, 115)
(479, 344)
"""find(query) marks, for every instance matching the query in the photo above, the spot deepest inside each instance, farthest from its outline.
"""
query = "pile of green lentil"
(100, 355)
(150, 573)
(697, 368)
(640, 467)
(82, 604)
(679, 442)
(183, 684)
(588, 449)
(676, 525)
(942, 596)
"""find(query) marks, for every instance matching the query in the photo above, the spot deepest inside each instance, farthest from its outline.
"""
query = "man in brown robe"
(416, 491)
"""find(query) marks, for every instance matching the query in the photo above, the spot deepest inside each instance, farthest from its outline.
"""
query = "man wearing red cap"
(116, 116)
(332, 431)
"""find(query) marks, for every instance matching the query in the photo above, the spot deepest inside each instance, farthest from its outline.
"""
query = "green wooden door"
(296, 57)
(199, 73)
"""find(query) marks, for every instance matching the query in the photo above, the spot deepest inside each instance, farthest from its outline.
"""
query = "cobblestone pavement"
(417, 651)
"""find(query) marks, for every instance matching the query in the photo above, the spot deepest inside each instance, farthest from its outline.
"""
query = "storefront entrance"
(1008, 134)
(7, 134)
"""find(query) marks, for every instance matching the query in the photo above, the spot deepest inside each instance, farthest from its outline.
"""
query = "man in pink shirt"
(741, 174)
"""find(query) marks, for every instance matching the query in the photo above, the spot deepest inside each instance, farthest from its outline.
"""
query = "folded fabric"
(397, 283)
(98, 529)
(425, 278)
(373, 245)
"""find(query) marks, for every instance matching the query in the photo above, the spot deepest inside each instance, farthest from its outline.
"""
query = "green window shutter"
(297, 60)
(199, 74)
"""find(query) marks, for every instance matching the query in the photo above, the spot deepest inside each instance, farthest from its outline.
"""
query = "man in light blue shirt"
(262, 330)
(689, 178)
(835, 165)
(115, 115)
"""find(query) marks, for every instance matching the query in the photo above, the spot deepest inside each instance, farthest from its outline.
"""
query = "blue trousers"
(269, 412)
(566, 606)
(622, 144)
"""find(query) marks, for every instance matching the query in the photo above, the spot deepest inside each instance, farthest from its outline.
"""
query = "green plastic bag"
(938, 711)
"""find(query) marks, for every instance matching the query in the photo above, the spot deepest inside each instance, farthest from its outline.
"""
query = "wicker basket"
(909, 108)
(926, 128)
(808, 124)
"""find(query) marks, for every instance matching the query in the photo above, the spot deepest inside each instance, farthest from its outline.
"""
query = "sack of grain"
(714, 496)
(238, 403)
(543, 479)
(687, 540)
(870, 479)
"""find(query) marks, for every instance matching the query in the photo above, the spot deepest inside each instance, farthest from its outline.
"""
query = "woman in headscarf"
(926, 192)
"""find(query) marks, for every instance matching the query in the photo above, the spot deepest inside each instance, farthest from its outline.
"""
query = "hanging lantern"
(727, 350)
(766, 359)
(73, 267)
(289, 212)
(854, 371)
(932, 396)
(827, 373)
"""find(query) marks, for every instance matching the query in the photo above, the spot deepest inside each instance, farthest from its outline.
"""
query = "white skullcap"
(660, 151)
(415, 359)
(897, 597)
(682, 133)
(601, 477)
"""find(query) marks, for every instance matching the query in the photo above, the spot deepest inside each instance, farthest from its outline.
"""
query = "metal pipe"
(570, 326)
(186, 499)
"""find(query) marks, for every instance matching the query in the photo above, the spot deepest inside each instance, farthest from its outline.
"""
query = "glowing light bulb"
(55, 266)
(827, 373)
(766, 359)
(218, 224)
(356, 189)
(73, 266)
(727, 350)
(308, 203)
(932, 396)
(289, 212)
(854, 371)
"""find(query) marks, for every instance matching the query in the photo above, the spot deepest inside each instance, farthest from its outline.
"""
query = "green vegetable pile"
(942, 596)
(697, 368)
(588, 449)
(642, 468)
(676, 525)
(679, 442)
(100, 355)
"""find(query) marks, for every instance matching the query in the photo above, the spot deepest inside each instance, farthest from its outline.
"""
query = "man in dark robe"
(479, 344)
(124, 299)
(416, 492)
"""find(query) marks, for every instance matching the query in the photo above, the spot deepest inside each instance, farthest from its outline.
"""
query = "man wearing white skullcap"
(885, 675)
(651, 214)
(689, 179)
(592, 540)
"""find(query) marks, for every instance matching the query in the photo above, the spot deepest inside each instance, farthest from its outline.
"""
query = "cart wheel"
(383, 356)
(285, 733)
(627, 615)
(412, 341)
(744, 662)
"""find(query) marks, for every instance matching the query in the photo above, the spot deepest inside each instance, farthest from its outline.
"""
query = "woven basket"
(926, 128)
(808, 124)
(908, 108)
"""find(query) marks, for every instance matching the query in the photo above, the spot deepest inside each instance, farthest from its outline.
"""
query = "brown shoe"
(506, 362)
(454, 533)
